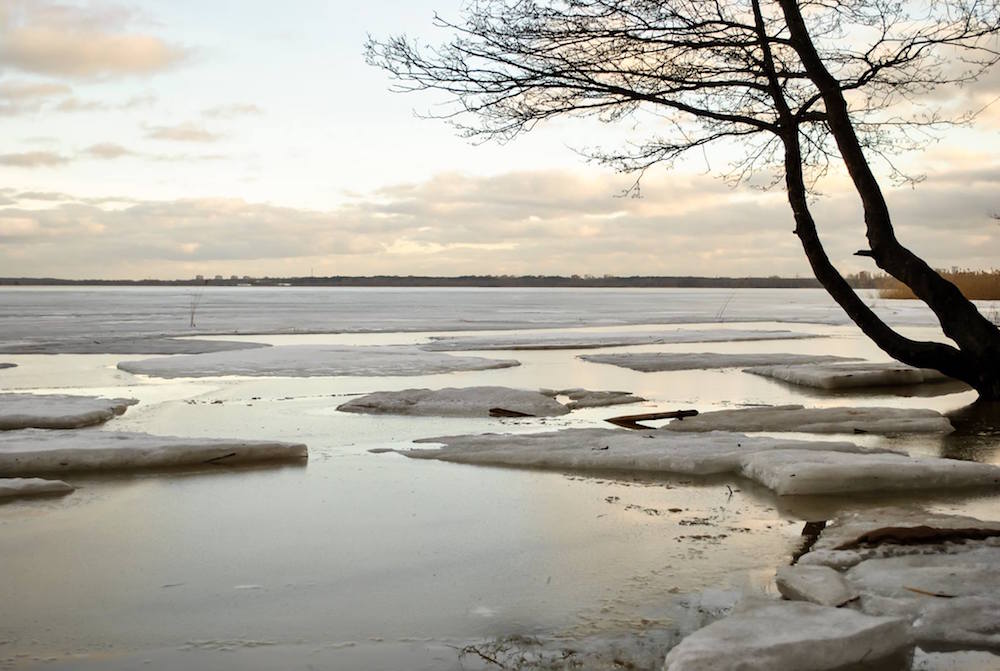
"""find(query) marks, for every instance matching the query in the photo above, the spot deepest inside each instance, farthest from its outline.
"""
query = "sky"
(171, 138)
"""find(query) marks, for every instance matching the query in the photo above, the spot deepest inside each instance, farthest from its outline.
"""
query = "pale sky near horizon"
(169, 138)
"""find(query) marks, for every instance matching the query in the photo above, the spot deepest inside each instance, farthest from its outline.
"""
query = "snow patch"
(817, 420)
(313, 361)
(456, 402)
(531, 341)
(32, 451)
(849, 375)
(17, 487)
(58, 411)
(790, 636)
(650, 362)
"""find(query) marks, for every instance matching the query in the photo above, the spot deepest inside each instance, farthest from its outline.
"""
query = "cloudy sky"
(169, 138)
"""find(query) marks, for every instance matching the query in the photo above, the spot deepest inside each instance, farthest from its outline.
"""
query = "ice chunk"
(313, 360)
(456, 402)
(817, 420)
(129, 345)
(615, 449)
(57, 411)
(586, 398)
(568, 340)
(32, 451)
(816, 584)
(830, 472)
(649, 362)
(16, 487)
(849, 375)
(790, 636)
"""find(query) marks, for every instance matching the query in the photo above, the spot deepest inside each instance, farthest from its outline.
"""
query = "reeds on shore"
(977, 285)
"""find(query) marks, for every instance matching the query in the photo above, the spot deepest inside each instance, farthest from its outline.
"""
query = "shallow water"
(370, 561)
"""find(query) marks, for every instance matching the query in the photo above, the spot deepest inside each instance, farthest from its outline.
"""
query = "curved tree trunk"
(977, 361)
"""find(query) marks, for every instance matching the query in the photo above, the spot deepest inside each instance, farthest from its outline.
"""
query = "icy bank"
(784, 466)
(58, 411)
(849, 375)
(817, 420)
(313, 361)
(531, 341)
(126, 345)
(652, 362)
(790, 636)
(32, 451)
(456, 402)
(18, 487)
(939, 572)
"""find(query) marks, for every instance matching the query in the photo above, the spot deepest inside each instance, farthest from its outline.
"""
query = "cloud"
(232, 111)
(515, 223)
(183, 132)
(27, 97)
(79, 42)
(107, 150)
(33, 159)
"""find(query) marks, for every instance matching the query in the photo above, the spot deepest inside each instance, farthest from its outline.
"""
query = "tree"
(800, 86)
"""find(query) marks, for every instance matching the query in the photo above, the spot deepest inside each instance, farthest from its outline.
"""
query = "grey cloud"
(32, 159)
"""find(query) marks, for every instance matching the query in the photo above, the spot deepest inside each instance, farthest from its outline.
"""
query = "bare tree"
(797, 85)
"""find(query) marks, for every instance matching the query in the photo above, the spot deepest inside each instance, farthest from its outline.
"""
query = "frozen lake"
(373, 561)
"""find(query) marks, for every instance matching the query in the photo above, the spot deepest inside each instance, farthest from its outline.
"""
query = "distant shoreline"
(484, 281)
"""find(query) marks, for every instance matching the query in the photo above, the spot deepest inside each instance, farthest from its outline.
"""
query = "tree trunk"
(977, 361)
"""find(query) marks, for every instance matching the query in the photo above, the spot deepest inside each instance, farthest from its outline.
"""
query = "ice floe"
(33, 451)
(817, 420)
(784, 466)
(821, 585)
(128, 345)
(57, 411)
(651, 362)
(587, 398)
(456, 402)
(574, 340)
(18, 487)
(790, 636)
(313, 360)
(939, 572)
(849, 375)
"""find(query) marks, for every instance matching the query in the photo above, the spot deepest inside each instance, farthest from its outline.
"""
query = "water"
(372, 561)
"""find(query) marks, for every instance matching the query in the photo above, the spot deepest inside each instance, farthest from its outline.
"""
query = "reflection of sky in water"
(356, 546)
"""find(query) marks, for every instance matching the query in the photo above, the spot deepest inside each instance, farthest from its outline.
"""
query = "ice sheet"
(789, 636)
(33, 451)
(817, 420)
(650, 362)
(849, 375)
(17, 487)
(785, 466)
(456, 402)
(313, 361)
(57, 411)
(531, 341)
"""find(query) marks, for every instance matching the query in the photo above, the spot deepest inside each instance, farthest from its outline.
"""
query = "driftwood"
(504, 412)
(918, 535)
(632, 421)
(810, 534)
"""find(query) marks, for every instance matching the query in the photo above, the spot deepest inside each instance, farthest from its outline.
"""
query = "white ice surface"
(849, 375)
(587, 398)
(650, 362)
(57, 411)
(313, 361)
(530, 340)
(456, 402)
(33, 451)
(817, 584)
(818, 472)
(785, 466)
(789, 636)
(17, 487)
(817, 420)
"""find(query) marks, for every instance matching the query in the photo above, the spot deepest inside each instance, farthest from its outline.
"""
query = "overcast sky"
(170, 138)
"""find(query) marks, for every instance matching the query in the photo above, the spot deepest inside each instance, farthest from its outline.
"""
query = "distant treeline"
(460, 281)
